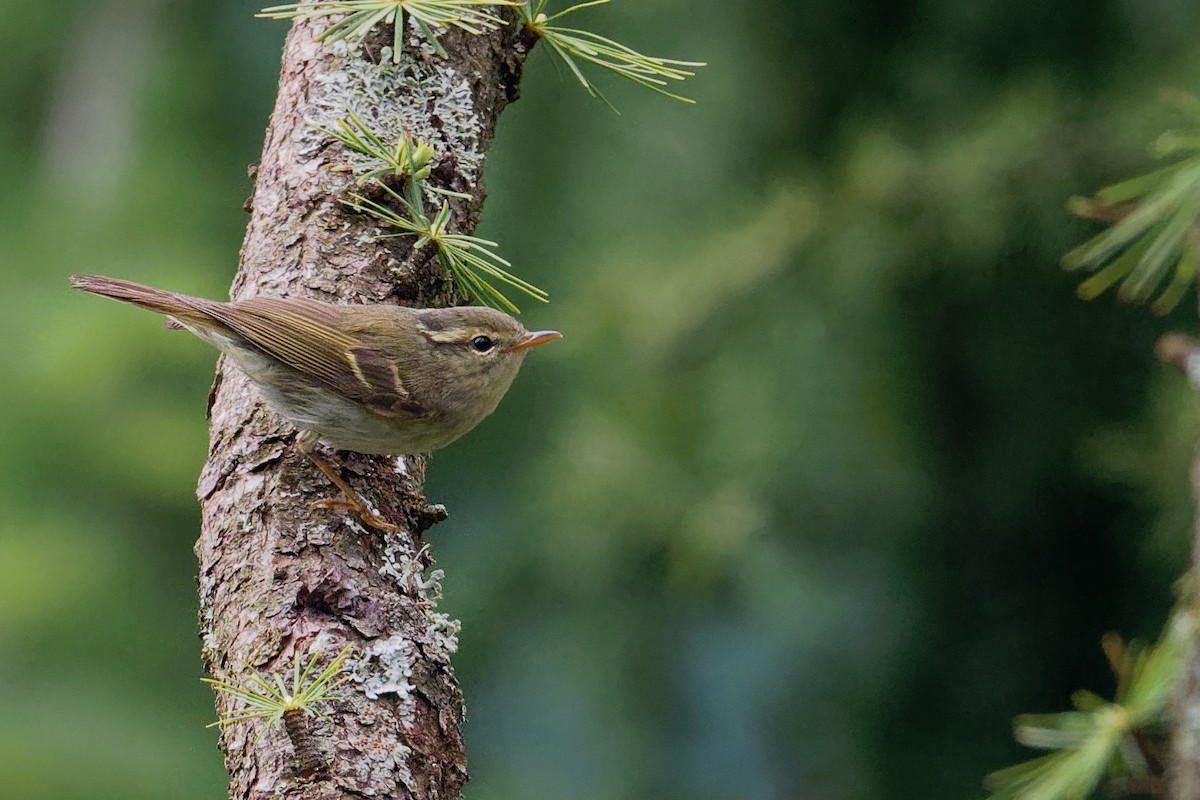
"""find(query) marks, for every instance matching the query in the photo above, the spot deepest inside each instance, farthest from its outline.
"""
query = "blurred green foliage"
(1151, 241)
(832, 476)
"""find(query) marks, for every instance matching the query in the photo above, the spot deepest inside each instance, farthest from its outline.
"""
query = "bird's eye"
(482, 344)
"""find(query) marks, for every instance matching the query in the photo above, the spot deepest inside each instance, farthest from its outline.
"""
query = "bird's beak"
(535, 338)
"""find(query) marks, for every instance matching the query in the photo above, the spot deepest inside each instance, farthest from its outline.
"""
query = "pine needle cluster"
(1119, 740)
(1153, 242)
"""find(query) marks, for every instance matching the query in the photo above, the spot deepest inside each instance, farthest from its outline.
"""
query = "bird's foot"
(364, 512)
(351, 500)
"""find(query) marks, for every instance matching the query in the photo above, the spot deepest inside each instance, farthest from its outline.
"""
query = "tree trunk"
(278, 578)
(1184, 765)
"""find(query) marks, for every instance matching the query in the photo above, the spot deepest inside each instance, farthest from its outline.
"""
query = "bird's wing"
(307, 336)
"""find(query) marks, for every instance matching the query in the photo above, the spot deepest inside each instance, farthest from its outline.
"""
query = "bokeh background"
(832, 475)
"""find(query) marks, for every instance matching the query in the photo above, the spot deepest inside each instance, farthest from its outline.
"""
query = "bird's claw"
(362, 510)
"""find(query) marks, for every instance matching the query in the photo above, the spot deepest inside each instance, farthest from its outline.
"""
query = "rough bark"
(278, 578)
(1183, 765)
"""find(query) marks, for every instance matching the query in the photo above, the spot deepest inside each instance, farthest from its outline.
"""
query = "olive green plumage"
(367, 378)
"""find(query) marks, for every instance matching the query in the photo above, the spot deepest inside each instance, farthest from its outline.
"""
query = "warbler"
(377, 379)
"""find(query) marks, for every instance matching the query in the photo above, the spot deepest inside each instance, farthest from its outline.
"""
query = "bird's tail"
(178, 306)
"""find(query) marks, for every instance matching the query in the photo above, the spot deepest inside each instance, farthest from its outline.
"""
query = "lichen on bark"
(275, 576)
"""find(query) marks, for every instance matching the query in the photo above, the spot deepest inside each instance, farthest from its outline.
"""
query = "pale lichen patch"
(421, 97)
(441, 635)
(386, 668)
(409, 572)
(439, 639)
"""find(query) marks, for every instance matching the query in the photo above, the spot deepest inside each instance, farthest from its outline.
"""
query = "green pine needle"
(1152, 244)
(409, 156)
(270, 699)
(471, 262)
(1097, 739)
(1068, 774)
(572, 45)
(361, 16)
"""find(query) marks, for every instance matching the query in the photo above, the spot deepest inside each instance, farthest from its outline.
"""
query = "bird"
(372, 378)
